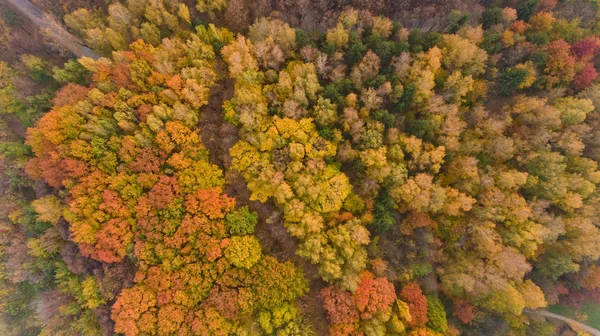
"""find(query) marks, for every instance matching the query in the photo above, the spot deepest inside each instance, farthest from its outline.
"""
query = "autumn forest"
(299, 168)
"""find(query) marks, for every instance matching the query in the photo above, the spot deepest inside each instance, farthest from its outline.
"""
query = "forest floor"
(52, 28)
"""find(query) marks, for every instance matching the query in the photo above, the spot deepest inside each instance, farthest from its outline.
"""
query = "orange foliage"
(210, 202)
(339, 305)
(560, 65)
(373, 295)
(147, 160)
(464, 310)
(417, 303)
(592, 278)
(112, 240)
(164, 191)
(345, 330)
(69, 95)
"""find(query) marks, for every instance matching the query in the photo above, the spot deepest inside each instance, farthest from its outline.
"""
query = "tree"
(436, 314)
(337, 36)
(241, 222)
(243, 251)
(366, 70)
(373, 295)
(371, 302)
(560, 64)
(585, 77)
(586, 48)
(463, 310)
(542, 22)
(49, 209)
(134, 304)
(417, 303)
(339, 305)
(491, 16)
(592, 278)
(138, 184)
(510, 80)
(279, 31)
(4, 34)
(573, 111)
(526, 9)
(238, 57)
(211, 6)
(463, 55)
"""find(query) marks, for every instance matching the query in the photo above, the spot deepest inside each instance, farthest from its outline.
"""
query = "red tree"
(464, 310)
(373, 295)
(586, 48)
(70, 94)
(417, 303)
(339, 305)
(546, 5)
(586, 76)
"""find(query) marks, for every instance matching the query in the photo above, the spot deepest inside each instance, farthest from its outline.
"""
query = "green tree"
(242, 221)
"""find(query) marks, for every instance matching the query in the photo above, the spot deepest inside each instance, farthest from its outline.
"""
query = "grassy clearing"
(592, 310)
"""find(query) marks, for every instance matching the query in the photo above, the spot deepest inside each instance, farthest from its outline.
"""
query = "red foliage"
(574, 299)
(594, 295)
(225, 300)
(210, 202)
(120, 75)
(519, 26)
(373, 295)
(339, 305)
(51, 170)
(130, 307)
(75, 168)
(112, 240)
(592, 278)
(546, 5)
(586, 48)
(70, 94)
(346, 309)
(417, 303)
(112, 203)
(143, 111)
(585, 77)
(175, 83)
(463, 310)
(164, 191)
(561, 289)
(147, 161)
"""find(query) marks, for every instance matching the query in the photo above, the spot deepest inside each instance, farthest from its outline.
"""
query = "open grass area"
(592, 310)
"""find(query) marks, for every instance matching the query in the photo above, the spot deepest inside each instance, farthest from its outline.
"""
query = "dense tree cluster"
(139, 185)
(500, 193)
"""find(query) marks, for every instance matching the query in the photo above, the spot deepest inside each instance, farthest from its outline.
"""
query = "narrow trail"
(50, 27)
(572, 322)
(219, 136)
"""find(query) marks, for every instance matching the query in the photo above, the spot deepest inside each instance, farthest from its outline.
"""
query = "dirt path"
(572, 322)
(219, 136)
(53, 29)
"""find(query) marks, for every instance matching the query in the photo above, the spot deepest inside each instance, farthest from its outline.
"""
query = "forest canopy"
(221, 169)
